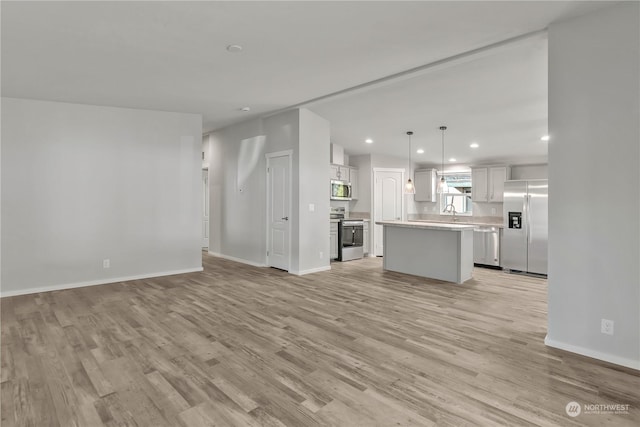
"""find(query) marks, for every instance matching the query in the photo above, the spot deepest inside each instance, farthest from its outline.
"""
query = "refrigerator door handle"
(529, 231)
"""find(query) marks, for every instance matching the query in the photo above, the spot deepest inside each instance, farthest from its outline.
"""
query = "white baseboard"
(95, 282)
(311, 270)
(256, 264)
(617, 360)
(240, 260)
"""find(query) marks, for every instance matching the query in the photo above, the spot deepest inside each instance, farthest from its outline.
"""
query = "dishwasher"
(486, 246)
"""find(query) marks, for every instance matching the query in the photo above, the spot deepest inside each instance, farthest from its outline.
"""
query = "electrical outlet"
(606, 326)
(321, 254)
(106, 263)
(493, 211)
(312, 207)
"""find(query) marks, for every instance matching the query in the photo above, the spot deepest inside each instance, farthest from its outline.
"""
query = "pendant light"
(409, 188)
(442, 184)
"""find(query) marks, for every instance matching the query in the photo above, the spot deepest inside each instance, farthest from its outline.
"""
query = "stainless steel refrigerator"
(525, 233)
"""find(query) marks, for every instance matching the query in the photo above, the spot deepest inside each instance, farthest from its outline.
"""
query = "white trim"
(617, 360)
(240, 260)
(279, 153)
(97, 282)
(269, 156)
(311, 270)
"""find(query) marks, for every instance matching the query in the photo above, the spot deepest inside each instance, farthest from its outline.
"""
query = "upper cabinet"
(425, 184)
(497, 177)
(336, 154)
(339, 172)
(488, 183)
(479, 184)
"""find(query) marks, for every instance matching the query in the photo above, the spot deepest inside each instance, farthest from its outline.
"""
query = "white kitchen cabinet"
(479, 184)
(497, 177)
(337, 154)
(333, 240)
(334, 171)
(365, 238)
(487, 184)
(425, 184)
(339, 172)
(353, 178)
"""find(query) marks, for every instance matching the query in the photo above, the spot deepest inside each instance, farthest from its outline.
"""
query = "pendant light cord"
(409, 154)
(409, 133)
(442, 180)
(443, 128)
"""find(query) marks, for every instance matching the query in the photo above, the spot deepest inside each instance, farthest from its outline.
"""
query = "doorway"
(387, 202)
(279, 210)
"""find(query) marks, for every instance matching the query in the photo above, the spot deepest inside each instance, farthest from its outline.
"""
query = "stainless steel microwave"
(340, 190)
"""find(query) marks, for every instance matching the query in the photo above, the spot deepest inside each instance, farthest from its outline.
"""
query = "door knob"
(286, 218)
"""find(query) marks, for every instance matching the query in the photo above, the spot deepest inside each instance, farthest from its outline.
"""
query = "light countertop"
(477, 224)
(428, 225)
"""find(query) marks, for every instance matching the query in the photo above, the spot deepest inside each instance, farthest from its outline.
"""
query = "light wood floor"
(242, 346)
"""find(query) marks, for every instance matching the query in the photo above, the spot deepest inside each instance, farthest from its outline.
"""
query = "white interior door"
(279, 211)
(387, 202)
(205, 208)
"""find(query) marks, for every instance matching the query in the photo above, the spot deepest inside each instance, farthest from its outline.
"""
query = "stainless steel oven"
(350, 239)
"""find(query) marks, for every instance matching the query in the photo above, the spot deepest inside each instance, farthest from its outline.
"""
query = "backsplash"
(362, 215)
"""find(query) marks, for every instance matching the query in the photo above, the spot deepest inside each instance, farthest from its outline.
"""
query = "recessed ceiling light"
(452, 159)
(245, 109)
(474, 145)
(420, 151)
(234, 48)
(369, 141)
(545, 138)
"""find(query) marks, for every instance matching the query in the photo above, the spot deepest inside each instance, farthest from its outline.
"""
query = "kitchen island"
(429, 249)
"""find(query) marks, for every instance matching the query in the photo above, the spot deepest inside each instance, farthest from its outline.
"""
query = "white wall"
(238, 218)
(540, 171)
(236, 230)
(85, 183)
(314, 190)
(594, 229)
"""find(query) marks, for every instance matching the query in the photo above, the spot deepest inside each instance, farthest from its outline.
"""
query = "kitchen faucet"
(452, 209)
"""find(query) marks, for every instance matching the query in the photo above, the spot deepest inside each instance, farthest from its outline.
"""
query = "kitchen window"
(458, 195)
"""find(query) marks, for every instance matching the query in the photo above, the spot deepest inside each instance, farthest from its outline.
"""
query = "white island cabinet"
(429, 249)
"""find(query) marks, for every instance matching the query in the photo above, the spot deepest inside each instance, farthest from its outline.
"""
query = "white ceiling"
(497, 99)
(171, 56)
